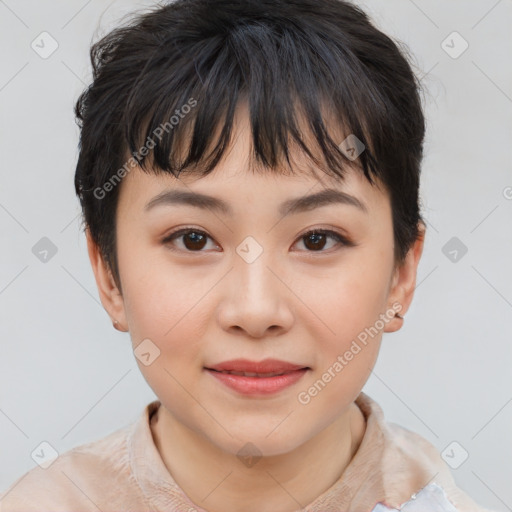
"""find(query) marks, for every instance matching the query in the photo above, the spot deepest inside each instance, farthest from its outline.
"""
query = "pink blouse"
(124, 471)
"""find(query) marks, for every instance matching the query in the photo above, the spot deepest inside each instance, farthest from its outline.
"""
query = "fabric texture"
(124, 471)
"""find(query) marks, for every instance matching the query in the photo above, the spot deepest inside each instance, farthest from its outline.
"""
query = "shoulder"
(409, 461)
(89, 476)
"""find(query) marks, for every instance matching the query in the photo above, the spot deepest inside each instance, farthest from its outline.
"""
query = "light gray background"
(67, 377)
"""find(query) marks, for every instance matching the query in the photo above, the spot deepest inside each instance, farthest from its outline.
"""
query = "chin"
(257, 444)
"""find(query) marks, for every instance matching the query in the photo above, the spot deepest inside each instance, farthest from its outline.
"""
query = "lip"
(288, 374)
(265, 366)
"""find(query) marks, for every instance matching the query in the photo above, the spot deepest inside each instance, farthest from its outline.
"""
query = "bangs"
(293, 84)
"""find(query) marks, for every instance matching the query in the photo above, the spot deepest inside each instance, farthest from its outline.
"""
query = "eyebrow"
(296, 205)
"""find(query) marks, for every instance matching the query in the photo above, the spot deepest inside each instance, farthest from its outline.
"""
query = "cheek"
(162, 306)
(353, 294)
(349, 307)
(162, 303)
(347, 344)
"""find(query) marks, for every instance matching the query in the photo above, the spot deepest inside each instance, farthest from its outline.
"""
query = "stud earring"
(115, 324)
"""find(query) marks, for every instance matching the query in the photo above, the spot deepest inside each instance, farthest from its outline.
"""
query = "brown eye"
(316, 240)
(193, 240)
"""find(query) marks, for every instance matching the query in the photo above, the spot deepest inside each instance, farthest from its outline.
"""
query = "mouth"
(257, 378)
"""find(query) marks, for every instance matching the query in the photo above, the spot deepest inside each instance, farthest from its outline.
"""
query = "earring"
(115, 324)
(399, 316)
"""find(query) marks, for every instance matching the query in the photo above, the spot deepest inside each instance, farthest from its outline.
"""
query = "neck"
(216, 481)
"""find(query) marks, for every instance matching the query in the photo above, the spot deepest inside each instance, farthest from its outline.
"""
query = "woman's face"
(246, 283)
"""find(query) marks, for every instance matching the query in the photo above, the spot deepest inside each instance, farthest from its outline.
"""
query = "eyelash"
(333, 234)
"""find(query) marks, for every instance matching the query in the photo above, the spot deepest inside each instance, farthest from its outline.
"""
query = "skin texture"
(292, 303)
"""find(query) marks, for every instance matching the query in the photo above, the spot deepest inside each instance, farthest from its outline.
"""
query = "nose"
(256, 300)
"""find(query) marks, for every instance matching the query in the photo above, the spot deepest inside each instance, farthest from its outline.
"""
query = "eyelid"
(328, 230)
(182, 230)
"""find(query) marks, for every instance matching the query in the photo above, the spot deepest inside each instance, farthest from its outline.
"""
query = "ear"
(404, 281)
(110, 296)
